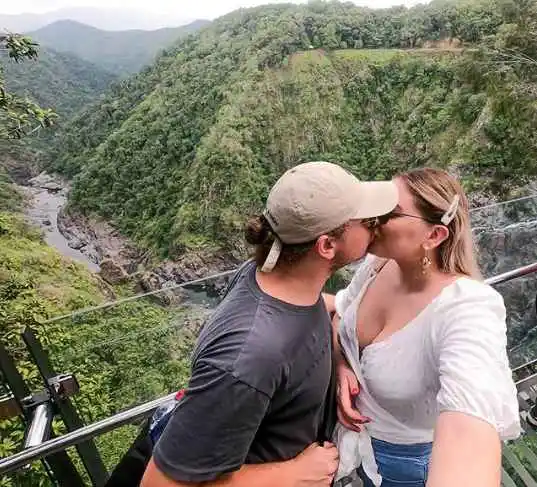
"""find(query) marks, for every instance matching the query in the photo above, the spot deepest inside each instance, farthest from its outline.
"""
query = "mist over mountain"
(106, 19)
(121, 52)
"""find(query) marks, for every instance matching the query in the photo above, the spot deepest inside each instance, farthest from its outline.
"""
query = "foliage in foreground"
(121, 357)
(19, 115)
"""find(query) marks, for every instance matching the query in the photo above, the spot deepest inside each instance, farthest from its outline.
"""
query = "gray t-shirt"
(260, 376)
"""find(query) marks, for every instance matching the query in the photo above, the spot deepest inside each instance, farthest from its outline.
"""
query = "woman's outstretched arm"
(466, 453)
(477, 399)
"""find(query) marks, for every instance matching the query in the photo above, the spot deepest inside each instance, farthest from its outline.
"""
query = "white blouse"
(451, 357)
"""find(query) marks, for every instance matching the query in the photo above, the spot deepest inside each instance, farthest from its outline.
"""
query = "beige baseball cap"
(314, 198)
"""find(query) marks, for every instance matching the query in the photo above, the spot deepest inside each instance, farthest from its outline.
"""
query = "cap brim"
(376, 198)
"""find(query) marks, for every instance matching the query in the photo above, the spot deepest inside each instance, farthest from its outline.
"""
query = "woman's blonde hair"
(434, 190)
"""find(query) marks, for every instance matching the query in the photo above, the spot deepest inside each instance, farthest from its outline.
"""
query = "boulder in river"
(112, 272)
(46, 181)
(168, 294)
(76, 243)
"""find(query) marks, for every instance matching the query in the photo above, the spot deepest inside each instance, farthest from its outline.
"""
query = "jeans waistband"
(412, 450)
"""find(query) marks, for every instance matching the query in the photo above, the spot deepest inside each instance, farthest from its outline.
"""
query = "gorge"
(146, 180)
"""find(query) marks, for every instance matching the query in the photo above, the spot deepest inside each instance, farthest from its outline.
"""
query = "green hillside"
(179, 154)
(120, 52)
(57, 79)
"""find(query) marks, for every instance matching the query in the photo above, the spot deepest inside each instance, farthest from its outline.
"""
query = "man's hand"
(315, 466)
(348, 389)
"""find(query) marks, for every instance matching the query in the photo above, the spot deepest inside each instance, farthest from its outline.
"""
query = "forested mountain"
(121, 52)
(57, 79)
(179, 154)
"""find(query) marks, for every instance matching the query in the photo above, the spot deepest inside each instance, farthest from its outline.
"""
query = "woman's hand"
(348, 389)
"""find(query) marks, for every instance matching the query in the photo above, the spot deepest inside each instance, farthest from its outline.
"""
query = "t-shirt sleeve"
(212, 428)
(475, 377)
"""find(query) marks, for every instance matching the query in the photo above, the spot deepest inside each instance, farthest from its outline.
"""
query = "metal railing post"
(65, 473)
(88, 452)
(129, 416)
(40, 427)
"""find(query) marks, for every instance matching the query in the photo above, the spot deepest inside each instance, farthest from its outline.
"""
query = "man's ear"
(326, 247)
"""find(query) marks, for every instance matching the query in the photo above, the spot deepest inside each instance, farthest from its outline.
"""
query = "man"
(254, 409)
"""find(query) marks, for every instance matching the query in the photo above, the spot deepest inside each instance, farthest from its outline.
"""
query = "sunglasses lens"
(382, 220)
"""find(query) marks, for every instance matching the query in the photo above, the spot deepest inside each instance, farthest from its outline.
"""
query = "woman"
(425, 345)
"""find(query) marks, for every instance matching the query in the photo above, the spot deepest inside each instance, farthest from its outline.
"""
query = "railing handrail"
(128, 416)
(80, 435)
(510, 275)
(110, 304)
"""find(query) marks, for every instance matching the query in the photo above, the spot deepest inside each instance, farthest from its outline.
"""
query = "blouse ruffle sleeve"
(475, 377)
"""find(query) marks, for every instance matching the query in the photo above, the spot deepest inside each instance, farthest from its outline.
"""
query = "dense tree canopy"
(59, 80)
(179, 153)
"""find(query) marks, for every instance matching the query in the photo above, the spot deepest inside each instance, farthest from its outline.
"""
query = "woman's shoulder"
(466, 291)
(471, 305)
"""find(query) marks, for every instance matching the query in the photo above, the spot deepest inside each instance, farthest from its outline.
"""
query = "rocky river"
(100, 247)
(47, 196)
(506, 235)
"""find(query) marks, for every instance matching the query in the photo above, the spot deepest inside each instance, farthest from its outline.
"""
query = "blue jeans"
(400, 465)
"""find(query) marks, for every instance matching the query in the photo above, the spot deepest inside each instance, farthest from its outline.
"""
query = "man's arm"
(263, 475)
(212, 428)
(315, 467)
(207, 440)
(466, 453)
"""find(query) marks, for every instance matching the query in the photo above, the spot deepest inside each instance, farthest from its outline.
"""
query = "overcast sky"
(188, 9)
